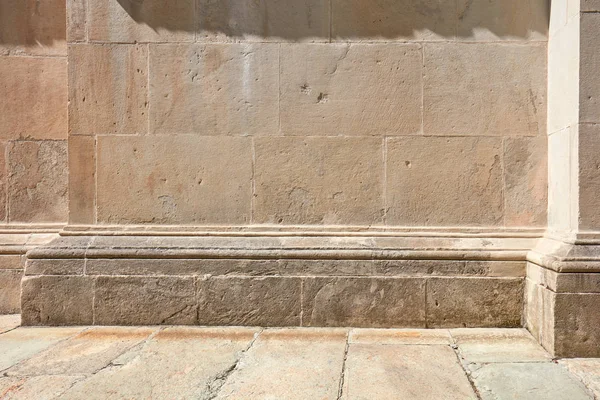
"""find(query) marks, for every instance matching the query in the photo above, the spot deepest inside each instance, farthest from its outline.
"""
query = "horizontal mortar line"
(520, 42)
(42, 56)
(278, 136)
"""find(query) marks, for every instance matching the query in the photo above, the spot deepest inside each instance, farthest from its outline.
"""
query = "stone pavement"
(179, 362)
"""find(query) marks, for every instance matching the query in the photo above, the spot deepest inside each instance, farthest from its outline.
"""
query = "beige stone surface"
(108, 87)
(86, 353)
(264, 20)
(400, 336)
(576, 319)
(146, 21)
(589, 62)
(174, 180)
(144, 301)
(37, 181)
(82, 179)
(34, 97)
(33, 27)
(330, 181)
(76, 20)
(587, 370)
(474, 302)
(411, 372)
(11, 261)
(56, 300)
(245, 301)
(562, 215)
(214, 89)
(55, 267)
(589, 176)
(308, 361)
(9, 321)
(364, 302)
(484, 89)
(393, 20)
(35, 387)
(444, 181)
(10, 290)
(350, 89)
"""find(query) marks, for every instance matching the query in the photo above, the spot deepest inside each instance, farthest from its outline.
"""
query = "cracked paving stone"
(289, 364)
(8, 322)
(413, 372)
(36, 387)
(176, 363)
(587, 370)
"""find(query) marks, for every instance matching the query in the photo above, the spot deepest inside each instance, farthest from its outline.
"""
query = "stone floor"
(252, 363)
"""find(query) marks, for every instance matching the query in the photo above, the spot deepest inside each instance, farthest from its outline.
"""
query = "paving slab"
(375, 372)
(22, 343)
(400, 336)
(35, 387)
(290, 364)
(86, 353)
(527, 381)
(177, 363)
(498, 345)
(8, 322)
(587, 370)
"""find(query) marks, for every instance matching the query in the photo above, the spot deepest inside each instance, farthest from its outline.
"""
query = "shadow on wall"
(32, 22)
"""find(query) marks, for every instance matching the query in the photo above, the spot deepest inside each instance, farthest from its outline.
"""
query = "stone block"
(37, 181)
(245, 301)
(37, 387)
(9, 322)
(263, 20)
(400, 336)
(589, 63)
(388, 20)
(34, 97)
(576, 321)
(474, 302)
(49, 266)
(108, 87)
(32, 27)
(484, 89)
(589, 5)
(56, 300)
(462, 188)
(11, 261)
(76, 20)
(82, 179)
(588, 176)
(169, 180)
(141, 21)
(144, 300)
(364, 302)
(10, 290)
(560, 182)
(525, 181)
(215, 89)
(351, 89)
(312, 180)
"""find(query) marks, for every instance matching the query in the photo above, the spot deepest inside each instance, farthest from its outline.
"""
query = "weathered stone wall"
(316, 112)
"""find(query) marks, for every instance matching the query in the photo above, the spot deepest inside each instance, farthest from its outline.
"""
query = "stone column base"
(563, 297)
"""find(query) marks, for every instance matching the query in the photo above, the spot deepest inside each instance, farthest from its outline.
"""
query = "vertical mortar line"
(330, 21)
(148, 89)
(253, 182)
(196, 21)
(301, 301)
(503, 189)
(6, 191)
(279, 88)
(426, 304)
(95, 201)
(422, 88)
(86, 22)
(385, 209)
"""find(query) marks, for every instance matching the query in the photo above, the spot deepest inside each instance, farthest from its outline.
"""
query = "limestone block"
(10, 290)
(485, 20)
(108, 87)
(245, 301)
(589, 64)
(576, 321)
(56, 300)
(364, 302)
(388, 20)
(11, 261)
(66, 266)
(141, 21)
(34, 27)
(525, 181)
(351, 89)
(37, 181)
(461, 188)
(3, 184)
(474, 302)
(34, 97)
(484, 89)
(214, 89)
(76, 20)
(144, 301)
(264, 20)
(82, 179)
(181, 266)
(589, 176)
(169, 180)
(318, 180)
(561, 193)
(589, 5)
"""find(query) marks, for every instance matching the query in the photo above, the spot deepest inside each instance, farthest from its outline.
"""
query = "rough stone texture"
(34, 97)
(11, 261)
(576, 321)
(350, 89)
(474, 302)
(364, 302)
(144, 301)
(428, 178)
(108, 87)
(510, 77)
(8, 322)
(589, 176)
(318, 181)
(82, 179)
(393, 20)
(392, 372)
(214, 89)
(249, 301)
(55, 267)
(531, 381)
(400, 336)
(310, 362)
(589, 106)
(32, 27)
(10, 290)
(56, 300)
(36, 387)
(3, 188)
(37, 181)
(76, 20)
(263, 20)
(147, 21)
(587, 370)
(169, 180)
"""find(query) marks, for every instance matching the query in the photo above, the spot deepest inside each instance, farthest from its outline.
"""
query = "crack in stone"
(456, 349)
(343, 374)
